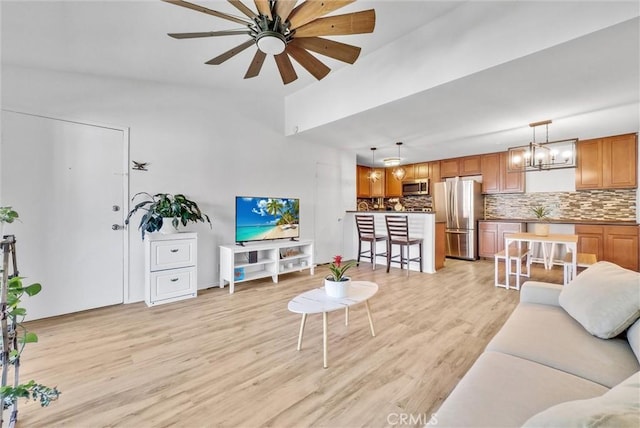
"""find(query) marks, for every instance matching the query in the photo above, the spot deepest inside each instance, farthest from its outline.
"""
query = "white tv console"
(274, 258)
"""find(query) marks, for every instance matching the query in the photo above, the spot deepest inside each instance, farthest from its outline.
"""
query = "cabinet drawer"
(173, 254)
(173, 284)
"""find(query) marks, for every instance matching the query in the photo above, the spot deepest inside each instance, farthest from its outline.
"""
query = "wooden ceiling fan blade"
(283, 8)
(312, 9)
(336, 50)
(285, 68)
(264, 8)
(243, 8)
(208, 11)
(340, 25)
(230, 53)
(256, 64)
(209, 34)
(308, 61)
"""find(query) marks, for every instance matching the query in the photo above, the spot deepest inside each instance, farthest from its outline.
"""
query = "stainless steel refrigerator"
(459, 204)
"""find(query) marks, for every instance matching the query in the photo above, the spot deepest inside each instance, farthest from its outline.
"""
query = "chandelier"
(374, 175)
(542, 156)
(399, 172)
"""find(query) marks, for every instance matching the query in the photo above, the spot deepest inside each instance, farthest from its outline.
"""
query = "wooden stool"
(367, 233)
(398, 234)
(517, 255)
(583, 260)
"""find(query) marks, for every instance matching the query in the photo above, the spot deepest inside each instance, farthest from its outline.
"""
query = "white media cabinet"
(273, 258)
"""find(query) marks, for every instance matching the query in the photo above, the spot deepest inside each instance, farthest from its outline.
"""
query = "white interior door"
(66, 179)
(329, 213)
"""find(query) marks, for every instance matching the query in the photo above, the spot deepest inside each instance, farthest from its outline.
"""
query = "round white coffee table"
(316, 301)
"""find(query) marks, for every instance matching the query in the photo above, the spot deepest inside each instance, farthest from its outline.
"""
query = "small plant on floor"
(338, 269)
(14, 338)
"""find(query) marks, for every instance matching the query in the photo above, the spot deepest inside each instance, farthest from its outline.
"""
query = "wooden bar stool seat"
(583, 260)
(398, 234)
(367, 233)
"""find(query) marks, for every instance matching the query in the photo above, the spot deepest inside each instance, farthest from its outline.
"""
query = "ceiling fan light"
(271, 42)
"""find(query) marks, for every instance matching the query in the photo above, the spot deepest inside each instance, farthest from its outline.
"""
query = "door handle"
(116, 227)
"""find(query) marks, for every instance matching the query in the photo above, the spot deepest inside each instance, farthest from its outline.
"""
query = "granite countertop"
(565, 221)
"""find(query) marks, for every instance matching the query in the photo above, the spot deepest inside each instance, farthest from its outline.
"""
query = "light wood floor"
(231, 360)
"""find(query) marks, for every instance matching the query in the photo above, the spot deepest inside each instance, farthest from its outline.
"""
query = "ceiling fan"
(282, 29)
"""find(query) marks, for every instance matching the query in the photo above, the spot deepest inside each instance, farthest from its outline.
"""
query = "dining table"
(550, 240)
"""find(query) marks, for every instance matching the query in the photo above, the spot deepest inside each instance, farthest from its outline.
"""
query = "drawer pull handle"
(174, 250)
(174, 279)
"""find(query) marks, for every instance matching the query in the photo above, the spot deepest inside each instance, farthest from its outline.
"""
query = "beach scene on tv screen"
(266, 218)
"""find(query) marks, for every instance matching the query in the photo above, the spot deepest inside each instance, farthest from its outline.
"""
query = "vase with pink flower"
(337, 284)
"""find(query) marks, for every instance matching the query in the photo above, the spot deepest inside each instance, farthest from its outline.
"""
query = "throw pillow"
(618, 407)
(605, 299)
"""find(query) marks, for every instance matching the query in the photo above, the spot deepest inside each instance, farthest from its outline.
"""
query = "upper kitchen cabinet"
(365, 188)
(495, 175)
(393, 186)
(607, 163)
(459, 167)
(421, 170)
(363, 184)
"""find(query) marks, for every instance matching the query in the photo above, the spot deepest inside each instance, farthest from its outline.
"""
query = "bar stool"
(517, 255)
(398, 234)
(367, 232)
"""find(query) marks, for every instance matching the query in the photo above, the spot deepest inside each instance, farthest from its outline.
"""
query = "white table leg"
(574, 261)
(346, 315)
(325, 325)
(545, 259)
(366, 304)
(304, 320)
(552, 254)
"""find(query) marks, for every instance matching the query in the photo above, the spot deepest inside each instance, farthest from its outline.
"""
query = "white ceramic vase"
(337, 289)
(167, 226)
(541, 229)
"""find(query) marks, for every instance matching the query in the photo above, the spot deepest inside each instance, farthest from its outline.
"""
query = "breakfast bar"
(421, 225)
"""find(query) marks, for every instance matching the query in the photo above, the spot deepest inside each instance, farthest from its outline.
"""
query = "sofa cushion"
(548, 335)
(501, 390)
(619, 407)
(605, 299)
(633, 336)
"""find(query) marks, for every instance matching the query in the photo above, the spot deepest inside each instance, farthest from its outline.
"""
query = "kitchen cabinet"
(616, 244)
(363, 184)
(434, 172)
(421, 170)
(607, 163)
(378, 186)
(460, 167)
(491, 235)
(495, 175)
(393, 186)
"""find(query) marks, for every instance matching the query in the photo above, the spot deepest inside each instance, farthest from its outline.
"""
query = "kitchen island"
(421, 225)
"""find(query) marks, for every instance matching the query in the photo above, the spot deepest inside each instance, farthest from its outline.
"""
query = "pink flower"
(337, 260)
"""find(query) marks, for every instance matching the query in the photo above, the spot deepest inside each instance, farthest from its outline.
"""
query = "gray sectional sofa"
(550, 364)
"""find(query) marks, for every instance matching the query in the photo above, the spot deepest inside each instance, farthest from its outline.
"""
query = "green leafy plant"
(8, 215)
(338, 269)
(541, 212)
(164, 205)
(14, 339)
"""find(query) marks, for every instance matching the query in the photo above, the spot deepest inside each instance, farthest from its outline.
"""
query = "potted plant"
(542, 214)
(164, 212)
(336, 284)
(7, 215)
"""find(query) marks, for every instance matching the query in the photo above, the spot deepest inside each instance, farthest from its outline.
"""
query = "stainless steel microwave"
(415, 187)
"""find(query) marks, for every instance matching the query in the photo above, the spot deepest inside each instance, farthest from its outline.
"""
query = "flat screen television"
(264, 218)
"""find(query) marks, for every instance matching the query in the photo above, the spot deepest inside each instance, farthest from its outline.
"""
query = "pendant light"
(399, 172)
(373, 174)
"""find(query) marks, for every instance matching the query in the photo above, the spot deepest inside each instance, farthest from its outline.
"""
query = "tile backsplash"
(614, 205)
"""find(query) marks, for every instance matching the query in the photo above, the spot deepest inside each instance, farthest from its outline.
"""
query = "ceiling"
(588, 86)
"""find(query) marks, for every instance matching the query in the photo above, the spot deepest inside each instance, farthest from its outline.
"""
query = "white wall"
(209, 144)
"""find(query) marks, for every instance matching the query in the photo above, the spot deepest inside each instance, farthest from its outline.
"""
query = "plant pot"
(541, 229)
(167, 226)
(337, 289)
